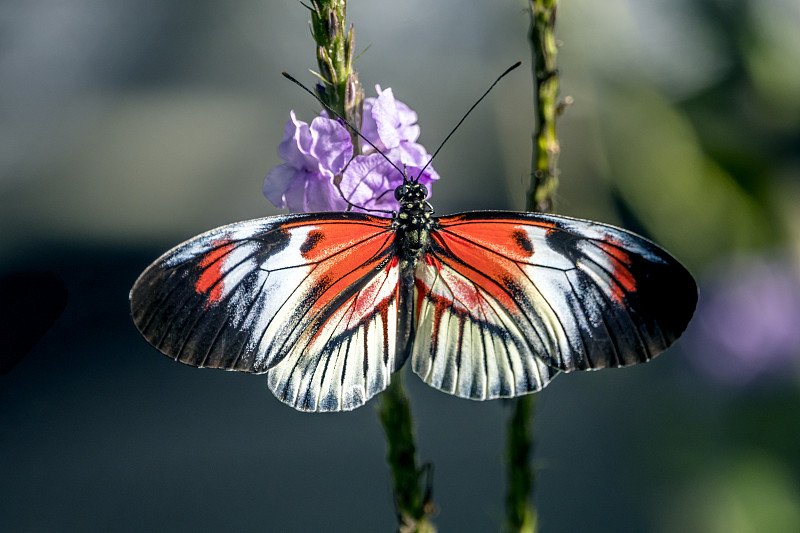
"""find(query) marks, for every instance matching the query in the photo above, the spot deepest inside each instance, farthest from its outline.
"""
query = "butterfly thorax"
(414, 221)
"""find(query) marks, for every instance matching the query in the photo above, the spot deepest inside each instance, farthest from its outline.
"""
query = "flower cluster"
(320, 170)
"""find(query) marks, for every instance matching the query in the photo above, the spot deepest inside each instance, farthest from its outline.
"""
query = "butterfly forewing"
(572, 294)
(254, 294)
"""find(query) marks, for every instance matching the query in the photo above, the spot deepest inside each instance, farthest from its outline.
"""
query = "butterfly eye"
(400, 192)
(423, 190)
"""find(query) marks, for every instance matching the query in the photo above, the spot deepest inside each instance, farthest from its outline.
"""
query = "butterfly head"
(411, 192)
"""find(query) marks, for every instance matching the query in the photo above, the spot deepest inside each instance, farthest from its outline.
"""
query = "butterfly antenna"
(340, 117)
(500, 77)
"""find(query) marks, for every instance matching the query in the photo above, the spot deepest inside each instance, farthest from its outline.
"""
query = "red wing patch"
(331, 238)
(506, 237)
(211, 275)
(479, 268)
(620, 264)
(344, 268)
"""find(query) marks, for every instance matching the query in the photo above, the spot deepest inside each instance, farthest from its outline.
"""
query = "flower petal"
(408, 119)
(369, 128)
(331, 146)
(278, 181)
(295, 148)
(295, 195)
(322, 195)
(409, 154)
(369, 182)
(387, 119)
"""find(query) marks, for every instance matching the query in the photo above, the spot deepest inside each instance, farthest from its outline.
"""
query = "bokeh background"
(129, 126)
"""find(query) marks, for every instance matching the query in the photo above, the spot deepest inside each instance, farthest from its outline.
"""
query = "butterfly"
(486, 305)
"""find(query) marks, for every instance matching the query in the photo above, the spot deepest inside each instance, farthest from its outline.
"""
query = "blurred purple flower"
(317, 155)
(747, 324)
(314, 156)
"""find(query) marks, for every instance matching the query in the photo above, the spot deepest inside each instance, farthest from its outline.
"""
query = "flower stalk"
(545, 85)
(520, 512)
(412, 483)
(340, 88)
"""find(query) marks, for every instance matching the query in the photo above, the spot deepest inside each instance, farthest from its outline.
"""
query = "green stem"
(521, 515)
(545, 140)
(520, 512)
(340, 87)
(412, 492)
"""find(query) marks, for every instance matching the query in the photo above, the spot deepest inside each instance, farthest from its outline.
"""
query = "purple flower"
(747, 324)
(369, 181)
(322, 154)
(391, 126)
(314, 156)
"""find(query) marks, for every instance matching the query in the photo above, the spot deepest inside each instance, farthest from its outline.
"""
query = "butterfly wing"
(311, 299)
(504, 300)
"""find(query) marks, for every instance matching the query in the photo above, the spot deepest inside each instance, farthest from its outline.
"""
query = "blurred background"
(127, 127)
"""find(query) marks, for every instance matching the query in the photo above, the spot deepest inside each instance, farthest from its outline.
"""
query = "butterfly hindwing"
(311, 296)
(467, 340)
(503, 296)
(351, 345)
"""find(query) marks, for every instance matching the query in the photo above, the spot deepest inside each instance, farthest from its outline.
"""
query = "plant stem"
(412, 488)
(545, 86)
(521, 516)
(340, 87)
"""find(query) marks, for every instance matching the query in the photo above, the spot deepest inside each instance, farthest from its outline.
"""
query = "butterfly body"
(413, 223)
(485, 304)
